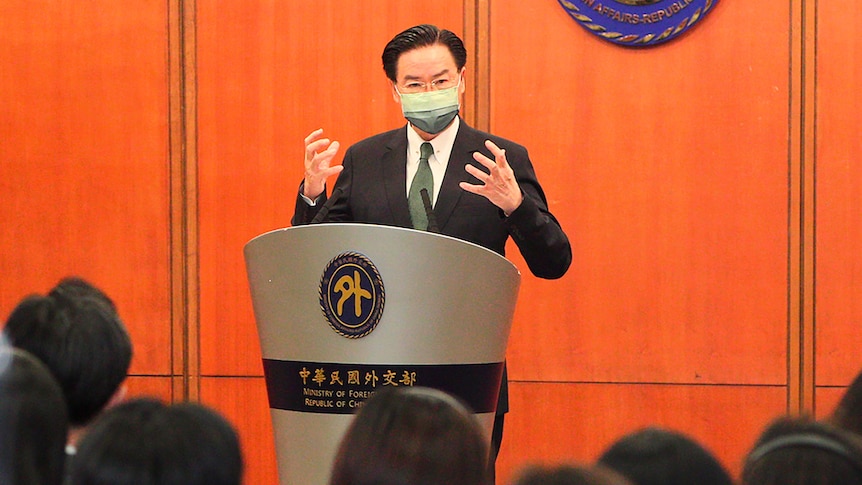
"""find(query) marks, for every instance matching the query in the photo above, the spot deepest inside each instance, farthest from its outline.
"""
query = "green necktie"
(423, 179)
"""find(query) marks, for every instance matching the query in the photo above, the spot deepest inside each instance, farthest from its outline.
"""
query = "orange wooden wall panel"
(575, 423)
(155, 387)
(268, 74)
(668, 169)
(83, 158)
(826, 400)
(243, 402)
(839, 194)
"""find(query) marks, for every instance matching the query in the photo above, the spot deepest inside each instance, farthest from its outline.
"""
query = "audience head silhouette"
(655, 456)
(412, 435)
(570, 475)
(146, 442)
(848, 413)
(33, 421)
(802, 452)
(76, 332)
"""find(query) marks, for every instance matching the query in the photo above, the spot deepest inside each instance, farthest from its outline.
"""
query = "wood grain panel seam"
(795, 223)
(191, 198)
(183, 198)
(477, 41)
(801, 200)
(809, 202)
(175, 167)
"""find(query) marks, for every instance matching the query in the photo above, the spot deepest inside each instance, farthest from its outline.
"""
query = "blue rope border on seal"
(638, 25)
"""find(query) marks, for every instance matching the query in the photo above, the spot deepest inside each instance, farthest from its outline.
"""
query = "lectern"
(345, 309)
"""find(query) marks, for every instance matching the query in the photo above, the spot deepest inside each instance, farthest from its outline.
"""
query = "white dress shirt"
(438, 162)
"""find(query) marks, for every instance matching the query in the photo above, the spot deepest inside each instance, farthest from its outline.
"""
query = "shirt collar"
(442, 142)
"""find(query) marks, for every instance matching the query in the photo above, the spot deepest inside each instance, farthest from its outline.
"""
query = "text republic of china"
(336, 396)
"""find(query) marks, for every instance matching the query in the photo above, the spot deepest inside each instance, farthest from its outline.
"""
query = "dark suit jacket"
(373, 184)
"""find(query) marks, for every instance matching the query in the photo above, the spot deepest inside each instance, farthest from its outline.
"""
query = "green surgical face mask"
(431, 111)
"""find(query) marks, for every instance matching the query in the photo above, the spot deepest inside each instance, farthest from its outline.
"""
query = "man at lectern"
(436, 173)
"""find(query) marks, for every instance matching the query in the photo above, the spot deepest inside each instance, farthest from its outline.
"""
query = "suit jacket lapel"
(450, 192)
(394, 164)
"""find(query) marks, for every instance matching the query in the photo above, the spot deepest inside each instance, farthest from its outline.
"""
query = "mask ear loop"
(458, 87)
(809, 440)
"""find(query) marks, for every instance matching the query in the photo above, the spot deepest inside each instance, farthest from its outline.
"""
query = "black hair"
(412, 435)
(146, 442)
(798, 451)
(76, 331)
(848, 413)
(33, 421)
(421, 36)
(569, 475)
(655, 456)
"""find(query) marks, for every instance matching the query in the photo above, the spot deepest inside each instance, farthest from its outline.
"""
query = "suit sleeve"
(536, 232)
(304, 213)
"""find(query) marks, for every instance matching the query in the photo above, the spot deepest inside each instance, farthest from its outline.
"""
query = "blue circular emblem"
(637, 22)
(351, 295)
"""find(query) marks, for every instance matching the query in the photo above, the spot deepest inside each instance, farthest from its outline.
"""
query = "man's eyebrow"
(418, 78)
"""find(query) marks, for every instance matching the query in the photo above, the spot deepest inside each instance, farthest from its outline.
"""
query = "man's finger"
(499, 153)
(479, 174)
(315, 146)
(475, 189)
(485, 161)
(314, 134)
(330, 151)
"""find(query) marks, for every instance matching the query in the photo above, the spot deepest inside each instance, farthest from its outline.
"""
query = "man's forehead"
(435, 60)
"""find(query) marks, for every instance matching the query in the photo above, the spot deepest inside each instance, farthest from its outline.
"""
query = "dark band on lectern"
(336, 388)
